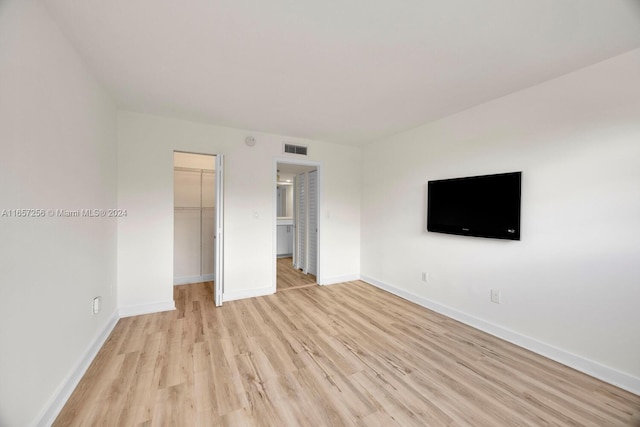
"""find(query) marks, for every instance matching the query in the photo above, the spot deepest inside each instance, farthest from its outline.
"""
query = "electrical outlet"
(496, 296)
(96, 305)
(425, 277)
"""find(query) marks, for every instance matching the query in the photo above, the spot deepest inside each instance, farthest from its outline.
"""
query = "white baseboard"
(185, 280)
(155, 307)
(339, 279)
(63, 392)
(579, 363)
(249, 293)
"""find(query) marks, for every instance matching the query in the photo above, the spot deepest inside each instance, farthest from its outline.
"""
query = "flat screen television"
(480, 206)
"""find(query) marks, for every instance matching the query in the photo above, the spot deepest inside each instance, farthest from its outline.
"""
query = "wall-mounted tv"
(480, 206)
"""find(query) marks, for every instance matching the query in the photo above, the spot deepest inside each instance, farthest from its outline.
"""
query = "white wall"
(145, 176)
(57, 151)
(572, 283)
(195, 161)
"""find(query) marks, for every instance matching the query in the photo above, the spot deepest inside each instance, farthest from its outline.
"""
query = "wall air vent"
(295, 149)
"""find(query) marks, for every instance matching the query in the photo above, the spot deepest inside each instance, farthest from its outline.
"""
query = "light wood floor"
(340, 355)
(290, 278)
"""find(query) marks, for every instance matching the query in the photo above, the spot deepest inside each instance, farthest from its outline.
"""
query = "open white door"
(219, 256)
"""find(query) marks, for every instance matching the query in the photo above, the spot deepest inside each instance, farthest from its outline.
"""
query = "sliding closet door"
(208, 224)
(312, 195)
(219, 231)
(187, 241)
(301, 222)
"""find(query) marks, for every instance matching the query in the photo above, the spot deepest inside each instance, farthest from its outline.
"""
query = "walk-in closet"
(194, 218)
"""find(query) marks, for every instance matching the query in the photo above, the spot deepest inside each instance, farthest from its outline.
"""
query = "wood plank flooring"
(341, 355)
(290, 278)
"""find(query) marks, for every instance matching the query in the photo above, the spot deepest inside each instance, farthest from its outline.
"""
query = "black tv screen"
(481, 206)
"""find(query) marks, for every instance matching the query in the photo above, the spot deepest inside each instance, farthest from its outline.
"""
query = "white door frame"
(274, 256)
(218, 290)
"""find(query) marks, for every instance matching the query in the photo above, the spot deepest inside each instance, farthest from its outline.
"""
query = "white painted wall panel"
(186, 191)
(208, 189)
(186, 262)
(58, 151)
(208, 241)
(572, 281)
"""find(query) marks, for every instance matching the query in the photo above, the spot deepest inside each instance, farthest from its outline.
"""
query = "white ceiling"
(348, 71)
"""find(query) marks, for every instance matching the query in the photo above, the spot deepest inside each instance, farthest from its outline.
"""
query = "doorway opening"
(197, 195)
(297, 243)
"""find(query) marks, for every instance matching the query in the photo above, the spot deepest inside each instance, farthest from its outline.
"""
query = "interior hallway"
(290, 278)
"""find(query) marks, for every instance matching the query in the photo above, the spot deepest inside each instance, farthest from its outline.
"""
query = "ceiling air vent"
(295, 149)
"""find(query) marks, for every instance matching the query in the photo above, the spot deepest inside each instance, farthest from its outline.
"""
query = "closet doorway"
(197, 242)
(297, 243)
